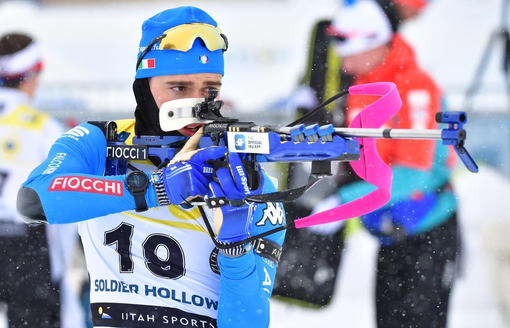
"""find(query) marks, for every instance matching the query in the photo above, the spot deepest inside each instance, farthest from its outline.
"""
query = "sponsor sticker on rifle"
(248, 142)
(128, 152)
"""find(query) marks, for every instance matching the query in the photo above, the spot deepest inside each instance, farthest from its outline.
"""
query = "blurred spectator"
(417, 230)
(308, 268)
(305, 273)
(33, 259)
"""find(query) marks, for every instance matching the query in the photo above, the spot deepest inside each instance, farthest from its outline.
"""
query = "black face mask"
(147, 112)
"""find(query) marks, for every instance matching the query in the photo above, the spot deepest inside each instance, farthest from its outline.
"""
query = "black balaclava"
(147, 112)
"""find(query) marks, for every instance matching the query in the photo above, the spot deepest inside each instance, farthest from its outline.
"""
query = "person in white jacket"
(33, 259)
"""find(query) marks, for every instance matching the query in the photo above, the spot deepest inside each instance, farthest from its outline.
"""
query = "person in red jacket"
(323, 77)
(417, 229)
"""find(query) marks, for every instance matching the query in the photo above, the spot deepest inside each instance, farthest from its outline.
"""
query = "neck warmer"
(147, 112)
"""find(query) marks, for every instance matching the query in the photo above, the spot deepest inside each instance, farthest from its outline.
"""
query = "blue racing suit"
(158, 268)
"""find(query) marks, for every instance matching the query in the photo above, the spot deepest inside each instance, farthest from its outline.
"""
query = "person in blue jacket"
(152, 255)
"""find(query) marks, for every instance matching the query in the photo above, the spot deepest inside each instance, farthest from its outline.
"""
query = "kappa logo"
(240, 142)
(274, 213)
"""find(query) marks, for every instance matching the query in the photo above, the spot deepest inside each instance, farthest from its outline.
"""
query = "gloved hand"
(233, 184)
(187, 180)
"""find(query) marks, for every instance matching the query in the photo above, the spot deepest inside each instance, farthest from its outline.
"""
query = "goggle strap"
(148, 48)
(226, 41)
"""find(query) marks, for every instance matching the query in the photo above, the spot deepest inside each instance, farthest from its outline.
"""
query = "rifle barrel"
(379, 133)
(390, 133)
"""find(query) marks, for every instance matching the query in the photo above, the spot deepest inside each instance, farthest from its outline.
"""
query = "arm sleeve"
(69, 185)
(246, 282)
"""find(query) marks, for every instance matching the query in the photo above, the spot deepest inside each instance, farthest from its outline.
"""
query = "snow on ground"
(474, 303)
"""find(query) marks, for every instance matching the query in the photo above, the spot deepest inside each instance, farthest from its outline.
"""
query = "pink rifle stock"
(370, 167)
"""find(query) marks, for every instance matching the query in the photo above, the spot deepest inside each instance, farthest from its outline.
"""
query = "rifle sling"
(273, 197)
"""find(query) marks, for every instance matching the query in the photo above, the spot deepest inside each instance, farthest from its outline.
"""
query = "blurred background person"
(33, 259)
(310, 264)
(417, 230)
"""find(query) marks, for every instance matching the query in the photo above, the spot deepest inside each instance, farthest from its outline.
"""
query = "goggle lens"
(182, 37)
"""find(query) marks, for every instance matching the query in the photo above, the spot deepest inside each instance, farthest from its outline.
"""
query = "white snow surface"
(476, 298)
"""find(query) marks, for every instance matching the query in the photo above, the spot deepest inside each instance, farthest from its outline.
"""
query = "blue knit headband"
(158, 62)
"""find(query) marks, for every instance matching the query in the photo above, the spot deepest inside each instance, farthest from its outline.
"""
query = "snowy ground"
(475, 301)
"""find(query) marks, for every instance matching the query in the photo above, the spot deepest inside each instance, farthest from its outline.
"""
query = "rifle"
(295, 142)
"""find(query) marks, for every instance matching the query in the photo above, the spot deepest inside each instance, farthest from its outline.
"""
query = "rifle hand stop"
(455, 135)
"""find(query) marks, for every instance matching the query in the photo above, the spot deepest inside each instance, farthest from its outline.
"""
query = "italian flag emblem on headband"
(147, 63)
